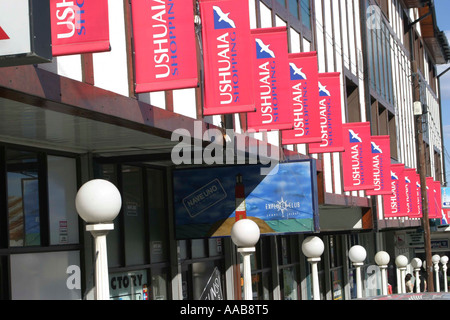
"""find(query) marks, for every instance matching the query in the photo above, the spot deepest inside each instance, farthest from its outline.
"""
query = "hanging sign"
(431, 197)
(418, 195)
(381, 157)
(25, 32)
(394, 204)
(79, 26)
(285, 201)
(165, 56)
(305, 99)
(437, 192)
(271, 81)
(411, 193)
(330, 116)
(227, 60)
(357, 163)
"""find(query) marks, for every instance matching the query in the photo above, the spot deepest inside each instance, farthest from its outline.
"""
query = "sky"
(443, 22)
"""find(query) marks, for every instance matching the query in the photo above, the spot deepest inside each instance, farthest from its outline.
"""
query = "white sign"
(15, 24)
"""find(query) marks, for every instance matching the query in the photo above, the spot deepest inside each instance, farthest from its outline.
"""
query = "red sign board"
(330, 116)
(412, 210)
(381, 156)
(164, 40)
(431, 197)
(357, 162)
(437, 193)
(271, 81)
(79, 26)
(227, 57)
(395, 204)
(305, 99)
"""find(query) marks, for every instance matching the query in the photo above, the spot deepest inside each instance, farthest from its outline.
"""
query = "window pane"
(159, 285)
(293, 7)
(114, 244)
(130, 285)
(23, 198)
(306, 13)
(62, 190)
(159, 243)
(51, 275)
(133, 215)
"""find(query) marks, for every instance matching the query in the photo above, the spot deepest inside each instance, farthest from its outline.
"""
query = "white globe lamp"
(312, 248)
(98, 202)
(382, 259)
(357, 255)
(401, 262)
(245, 234)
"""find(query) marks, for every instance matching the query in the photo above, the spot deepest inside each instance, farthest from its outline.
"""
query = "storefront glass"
(23, 198)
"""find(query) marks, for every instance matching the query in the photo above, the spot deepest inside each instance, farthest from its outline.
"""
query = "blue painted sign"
(206, 199)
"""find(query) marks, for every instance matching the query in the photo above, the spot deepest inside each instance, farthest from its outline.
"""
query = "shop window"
(159, 242)
(23, 198)
(62, 189)
(140, 235)
(40, 276)
(288, 261)
(201, 262)
(336, 267)
(261, 270)
(133, 216)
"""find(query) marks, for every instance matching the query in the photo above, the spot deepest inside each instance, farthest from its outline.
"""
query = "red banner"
(431, 197)
(411, 193)
(304, 79)
(330, 116)
(357, 163)
(165, 57)
(395, 204)
(381, 157)
(418, 190)
(271, 81)
(79, 26)
(438, 204)
(227, 57)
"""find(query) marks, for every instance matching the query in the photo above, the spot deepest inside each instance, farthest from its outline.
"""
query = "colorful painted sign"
(207, 200)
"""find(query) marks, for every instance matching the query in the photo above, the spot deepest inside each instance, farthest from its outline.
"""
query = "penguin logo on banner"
(222, 20)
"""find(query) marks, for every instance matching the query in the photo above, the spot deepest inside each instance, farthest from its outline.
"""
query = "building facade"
(78, 118)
